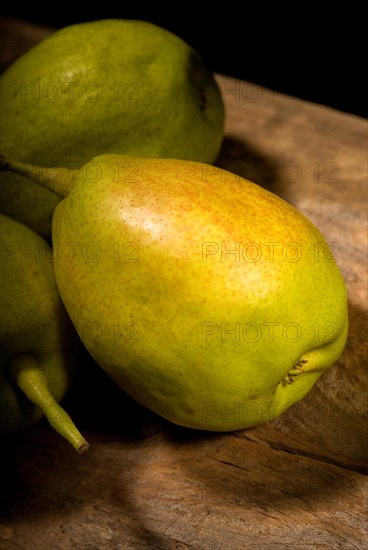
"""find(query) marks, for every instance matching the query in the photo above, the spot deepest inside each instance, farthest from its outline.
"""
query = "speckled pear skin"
(108, 86)
(33, 320)
(206, 337)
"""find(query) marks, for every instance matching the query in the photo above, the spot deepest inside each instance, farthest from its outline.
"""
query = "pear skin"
(39, 346)
(208, 299)
(108, 86)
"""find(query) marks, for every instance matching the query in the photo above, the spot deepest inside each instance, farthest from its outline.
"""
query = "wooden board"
(297, 482)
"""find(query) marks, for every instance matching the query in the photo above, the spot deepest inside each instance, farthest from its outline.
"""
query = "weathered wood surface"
(297, 482)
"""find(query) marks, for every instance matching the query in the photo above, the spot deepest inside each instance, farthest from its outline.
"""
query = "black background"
(298, 50)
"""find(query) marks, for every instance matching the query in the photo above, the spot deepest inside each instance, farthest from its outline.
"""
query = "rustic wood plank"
(297, 482)
(177, 489)
(315, 158)
(16, 37)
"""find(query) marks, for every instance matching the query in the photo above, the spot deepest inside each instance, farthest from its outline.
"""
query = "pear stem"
(30, 378)
(56, 179)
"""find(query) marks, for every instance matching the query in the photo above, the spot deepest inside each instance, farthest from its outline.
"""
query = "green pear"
(107, 86)
(38, 342)
(207, 298)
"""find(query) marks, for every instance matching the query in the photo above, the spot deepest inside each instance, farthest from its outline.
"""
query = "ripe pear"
(107, 86)
(38, 342)
(207, 298)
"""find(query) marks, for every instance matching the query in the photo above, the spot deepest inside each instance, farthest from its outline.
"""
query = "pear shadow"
(229, 474)
(244, 479)
(98, 405)
(247, 162)
(335, 411)
(203, 479)
(9, 482)
(41, 478)
(339, 428)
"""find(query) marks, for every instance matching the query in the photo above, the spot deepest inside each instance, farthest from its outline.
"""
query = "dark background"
(299, 50)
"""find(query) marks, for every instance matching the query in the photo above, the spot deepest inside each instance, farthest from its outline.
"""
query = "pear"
(207, 298)
(106, 86)
(38, 342)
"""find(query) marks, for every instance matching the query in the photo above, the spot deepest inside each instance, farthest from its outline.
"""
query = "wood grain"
(297, 482)
(315, 158)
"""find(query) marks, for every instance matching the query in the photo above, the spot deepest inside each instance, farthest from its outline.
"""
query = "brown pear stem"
(30, 378)
(56, 179)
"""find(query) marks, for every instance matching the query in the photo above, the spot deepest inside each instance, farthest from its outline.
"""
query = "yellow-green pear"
(106, 86)
(38, 341)
(207, 298)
